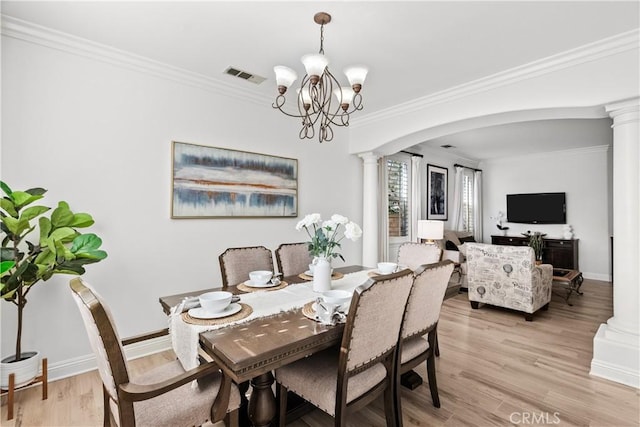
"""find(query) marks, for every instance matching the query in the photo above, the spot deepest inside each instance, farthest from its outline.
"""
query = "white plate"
(201, 313)
(250, 284)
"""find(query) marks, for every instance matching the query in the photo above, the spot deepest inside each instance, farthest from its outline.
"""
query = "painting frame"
(437, 192)
(218, 182)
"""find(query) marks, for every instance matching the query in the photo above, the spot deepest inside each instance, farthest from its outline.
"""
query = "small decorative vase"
(322, 275)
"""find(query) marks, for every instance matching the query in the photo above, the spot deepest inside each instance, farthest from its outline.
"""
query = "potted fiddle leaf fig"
(35, 247)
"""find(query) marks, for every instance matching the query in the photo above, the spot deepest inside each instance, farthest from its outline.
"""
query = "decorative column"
(616, 346)
(369, 209)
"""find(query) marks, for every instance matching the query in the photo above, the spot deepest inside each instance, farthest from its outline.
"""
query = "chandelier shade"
(314, 101)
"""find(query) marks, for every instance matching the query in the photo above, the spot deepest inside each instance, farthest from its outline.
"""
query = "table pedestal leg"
(262, 403)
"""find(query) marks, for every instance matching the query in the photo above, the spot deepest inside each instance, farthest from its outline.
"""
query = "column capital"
(630, 108)
(369, 157)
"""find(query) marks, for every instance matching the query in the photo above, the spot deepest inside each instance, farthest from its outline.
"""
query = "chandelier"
(314, 96)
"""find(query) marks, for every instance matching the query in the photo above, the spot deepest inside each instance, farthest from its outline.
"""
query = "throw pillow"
(450, 246)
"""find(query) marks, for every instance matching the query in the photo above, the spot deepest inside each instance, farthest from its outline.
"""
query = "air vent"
(253, 78)
(447, 146)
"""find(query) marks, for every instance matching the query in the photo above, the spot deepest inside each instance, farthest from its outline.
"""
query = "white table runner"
(185, 336)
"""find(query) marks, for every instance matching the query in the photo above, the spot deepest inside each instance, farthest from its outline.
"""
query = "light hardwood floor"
(495, 369)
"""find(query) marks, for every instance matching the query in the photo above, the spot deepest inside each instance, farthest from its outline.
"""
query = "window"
(468, 204)
(398, 194)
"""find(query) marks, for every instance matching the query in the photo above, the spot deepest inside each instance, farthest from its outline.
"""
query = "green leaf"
(81, 220)
(45, 229)
(61, 216)
(5, 188)
(15, 226)
(8, 207)
(85, 242)
(64, 234)
(6, 266)
(22, 198)
(92, 256)
(70, 267)
(34, 211)
(62, 253)
(46, 257)
(36, 191)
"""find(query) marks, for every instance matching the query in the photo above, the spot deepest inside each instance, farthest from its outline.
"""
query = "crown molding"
(623, 42)
(53, 39)
(568, 152)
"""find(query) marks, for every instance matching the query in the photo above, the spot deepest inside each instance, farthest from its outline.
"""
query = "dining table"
(277, 332)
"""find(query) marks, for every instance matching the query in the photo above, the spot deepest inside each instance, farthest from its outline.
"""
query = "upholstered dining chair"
(163, 396)
(346, 378)
(293, 258)
(413, 255)
(237, 263)
(421, 318)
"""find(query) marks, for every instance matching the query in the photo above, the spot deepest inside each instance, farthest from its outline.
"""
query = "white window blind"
(467, 202)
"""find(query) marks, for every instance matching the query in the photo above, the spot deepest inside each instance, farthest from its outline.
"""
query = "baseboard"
(614, 373)
(596, 276)
(79, 365)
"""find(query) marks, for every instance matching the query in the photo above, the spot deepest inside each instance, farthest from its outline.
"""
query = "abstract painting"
(217, 182)
(437, 192)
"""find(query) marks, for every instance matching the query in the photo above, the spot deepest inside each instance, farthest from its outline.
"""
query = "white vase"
(322, 275)
(25, 370)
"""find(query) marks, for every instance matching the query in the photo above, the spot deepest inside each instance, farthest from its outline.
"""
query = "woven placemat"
(243, 313)
(373, 274)
(308, 310)
(335, 276)
(245, 288)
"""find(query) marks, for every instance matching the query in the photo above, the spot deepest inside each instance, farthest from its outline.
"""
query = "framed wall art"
(437, 192)
(210, 182)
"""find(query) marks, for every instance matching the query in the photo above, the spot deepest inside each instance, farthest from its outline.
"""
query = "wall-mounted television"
(537, 208)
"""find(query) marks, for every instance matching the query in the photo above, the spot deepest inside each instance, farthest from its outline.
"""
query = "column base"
(616, 356)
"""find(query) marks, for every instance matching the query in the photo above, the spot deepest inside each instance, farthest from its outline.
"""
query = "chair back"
(425, 301)
(103, 337)
(374, 320)
(413, 255)
(293, 258)
(237, 263)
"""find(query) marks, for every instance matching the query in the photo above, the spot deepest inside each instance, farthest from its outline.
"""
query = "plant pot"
(25, 370)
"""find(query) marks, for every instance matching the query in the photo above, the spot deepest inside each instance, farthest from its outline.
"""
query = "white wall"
(584, 175)
(99, 136)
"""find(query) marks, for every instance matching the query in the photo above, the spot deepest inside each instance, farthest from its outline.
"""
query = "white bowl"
(387, 267)
(336, 296)
(216, 301)
(260, 277)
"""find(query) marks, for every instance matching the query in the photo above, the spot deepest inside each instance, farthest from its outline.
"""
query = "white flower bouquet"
(327, 235)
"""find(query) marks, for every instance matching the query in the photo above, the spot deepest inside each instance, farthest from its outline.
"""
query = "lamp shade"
(315, 64)
(285, 76)
(344, 94)
(356, 74)
(430, 230)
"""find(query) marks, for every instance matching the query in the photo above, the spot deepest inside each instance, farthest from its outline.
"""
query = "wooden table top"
(250, 349)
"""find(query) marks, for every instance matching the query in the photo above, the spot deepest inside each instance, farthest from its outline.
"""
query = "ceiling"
(413, 49)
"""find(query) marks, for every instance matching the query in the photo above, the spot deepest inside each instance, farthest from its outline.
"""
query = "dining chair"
(421, 318)
(237, 263)
(343, 379)
(162, 396)
(413, 255)
(293, 258)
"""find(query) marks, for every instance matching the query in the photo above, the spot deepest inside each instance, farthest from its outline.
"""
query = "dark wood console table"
(561, 253)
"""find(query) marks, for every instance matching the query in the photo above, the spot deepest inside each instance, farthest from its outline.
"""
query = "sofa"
(507, 276)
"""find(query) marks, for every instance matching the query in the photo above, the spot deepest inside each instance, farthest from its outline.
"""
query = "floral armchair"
(507, 276)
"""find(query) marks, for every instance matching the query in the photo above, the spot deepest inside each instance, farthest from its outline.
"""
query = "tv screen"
(537, 208)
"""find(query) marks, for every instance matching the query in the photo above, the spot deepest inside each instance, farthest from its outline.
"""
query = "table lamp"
(430, 230)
